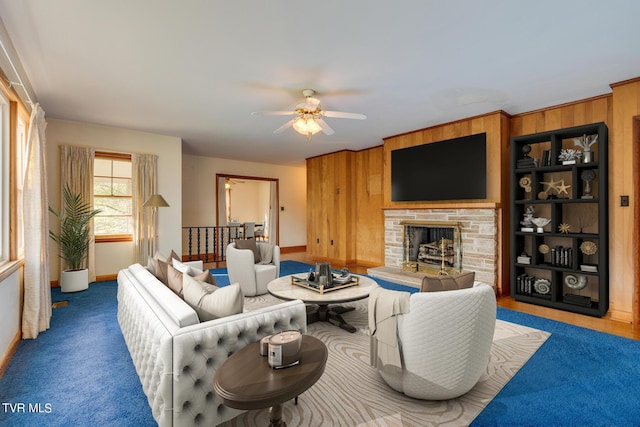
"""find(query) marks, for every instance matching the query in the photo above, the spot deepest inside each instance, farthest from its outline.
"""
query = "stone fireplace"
(431, 246)
(476, 240)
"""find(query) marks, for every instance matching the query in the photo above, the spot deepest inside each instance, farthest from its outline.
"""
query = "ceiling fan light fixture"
(306, 126)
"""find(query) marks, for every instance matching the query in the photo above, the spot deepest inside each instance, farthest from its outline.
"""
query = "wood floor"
(599, 324)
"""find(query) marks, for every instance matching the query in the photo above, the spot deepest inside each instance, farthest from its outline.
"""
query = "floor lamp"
(154, 202)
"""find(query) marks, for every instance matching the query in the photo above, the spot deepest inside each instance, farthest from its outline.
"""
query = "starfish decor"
(550, 185)
(553, 187)
(564, 228)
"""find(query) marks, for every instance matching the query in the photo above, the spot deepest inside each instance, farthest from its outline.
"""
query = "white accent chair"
(249, 230)
(252, 277)
(445, 340)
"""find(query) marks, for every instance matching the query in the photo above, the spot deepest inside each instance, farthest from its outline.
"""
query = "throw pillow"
(203, 276)
(173, 256)
(152, 265)
(159, 256)
(175, 279)
(249, 244)
(180, 266)
(211, 302)
(162, 271)
(447, 283)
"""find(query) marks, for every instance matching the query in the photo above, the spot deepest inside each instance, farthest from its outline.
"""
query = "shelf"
(543, 195)
(553, 201)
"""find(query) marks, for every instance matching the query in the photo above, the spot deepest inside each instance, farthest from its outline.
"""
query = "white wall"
(199, 193)
(10, 310)
(112, 257)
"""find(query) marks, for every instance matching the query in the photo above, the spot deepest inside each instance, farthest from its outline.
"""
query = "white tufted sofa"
(176, 356)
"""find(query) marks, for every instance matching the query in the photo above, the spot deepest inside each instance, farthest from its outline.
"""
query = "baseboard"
(106, 277)
(292, 249)
(11, 350)
(103, 278)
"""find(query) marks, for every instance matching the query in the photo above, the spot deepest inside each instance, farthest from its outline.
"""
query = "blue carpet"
(579, 377)
(79, 372)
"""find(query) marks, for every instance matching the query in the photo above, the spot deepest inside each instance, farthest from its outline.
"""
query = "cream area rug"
(351, 392)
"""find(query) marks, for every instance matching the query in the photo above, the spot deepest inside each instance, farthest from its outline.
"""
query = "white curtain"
(144, 170)
(76, 171)
(36, 314)
(273, 213)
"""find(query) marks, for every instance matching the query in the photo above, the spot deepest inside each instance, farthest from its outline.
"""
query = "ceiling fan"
(308, 116)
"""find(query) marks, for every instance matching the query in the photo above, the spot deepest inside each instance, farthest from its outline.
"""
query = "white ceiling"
(196, 69)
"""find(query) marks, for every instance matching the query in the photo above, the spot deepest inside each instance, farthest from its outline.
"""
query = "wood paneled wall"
(619, 110)
(623, 246)
(369, 199)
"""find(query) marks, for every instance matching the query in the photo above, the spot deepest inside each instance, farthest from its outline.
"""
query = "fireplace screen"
(431, 246)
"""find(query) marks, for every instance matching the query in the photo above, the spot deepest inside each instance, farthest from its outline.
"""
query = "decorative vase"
(323, 269)
(587, 156)
(74, 280)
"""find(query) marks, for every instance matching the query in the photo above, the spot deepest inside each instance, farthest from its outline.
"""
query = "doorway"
(244, 199)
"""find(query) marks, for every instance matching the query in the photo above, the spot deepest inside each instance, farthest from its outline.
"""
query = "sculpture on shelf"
(587, 176)
(569, 155)
(540, 222)
(585, 143)
(528, 217)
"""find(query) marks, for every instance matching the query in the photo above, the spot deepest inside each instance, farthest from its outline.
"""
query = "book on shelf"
(580, 300)
(527, 229)
(527, 162)
(589, 268)
(524, 259)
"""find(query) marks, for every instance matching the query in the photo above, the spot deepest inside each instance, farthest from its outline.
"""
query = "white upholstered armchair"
(444, 341)
(253, 268)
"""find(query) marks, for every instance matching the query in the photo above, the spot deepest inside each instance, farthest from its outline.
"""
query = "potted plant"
(73, 239)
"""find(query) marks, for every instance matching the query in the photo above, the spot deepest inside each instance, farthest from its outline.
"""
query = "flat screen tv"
(454, 169)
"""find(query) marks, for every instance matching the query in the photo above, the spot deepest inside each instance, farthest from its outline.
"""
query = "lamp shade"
(155, 201)
(306, 126)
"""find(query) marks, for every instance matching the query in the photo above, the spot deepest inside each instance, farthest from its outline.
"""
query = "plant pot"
(74, 280)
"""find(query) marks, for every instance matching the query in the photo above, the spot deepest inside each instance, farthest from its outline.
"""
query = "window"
(112, 190)
(4, 180)
(21, 163)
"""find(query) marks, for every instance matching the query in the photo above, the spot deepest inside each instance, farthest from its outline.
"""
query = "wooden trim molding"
(479, 116)
(110, 238)
(9, 268)
(11, 350)
(566, 104)
(106, 277)
(635, 171)
(293, 249)
(625, 82)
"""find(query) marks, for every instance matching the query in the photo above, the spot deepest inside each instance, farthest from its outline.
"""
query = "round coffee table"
(318, 305)
(246, 381)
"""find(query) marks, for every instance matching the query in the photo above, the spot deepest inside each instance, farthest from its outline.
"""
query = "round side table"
(246, 381)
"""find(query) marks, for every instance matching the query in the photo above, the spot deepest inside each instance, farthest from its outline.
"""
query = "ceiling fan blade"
(341, 115)
(285, 126)
(273, 113)
(324, 126)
